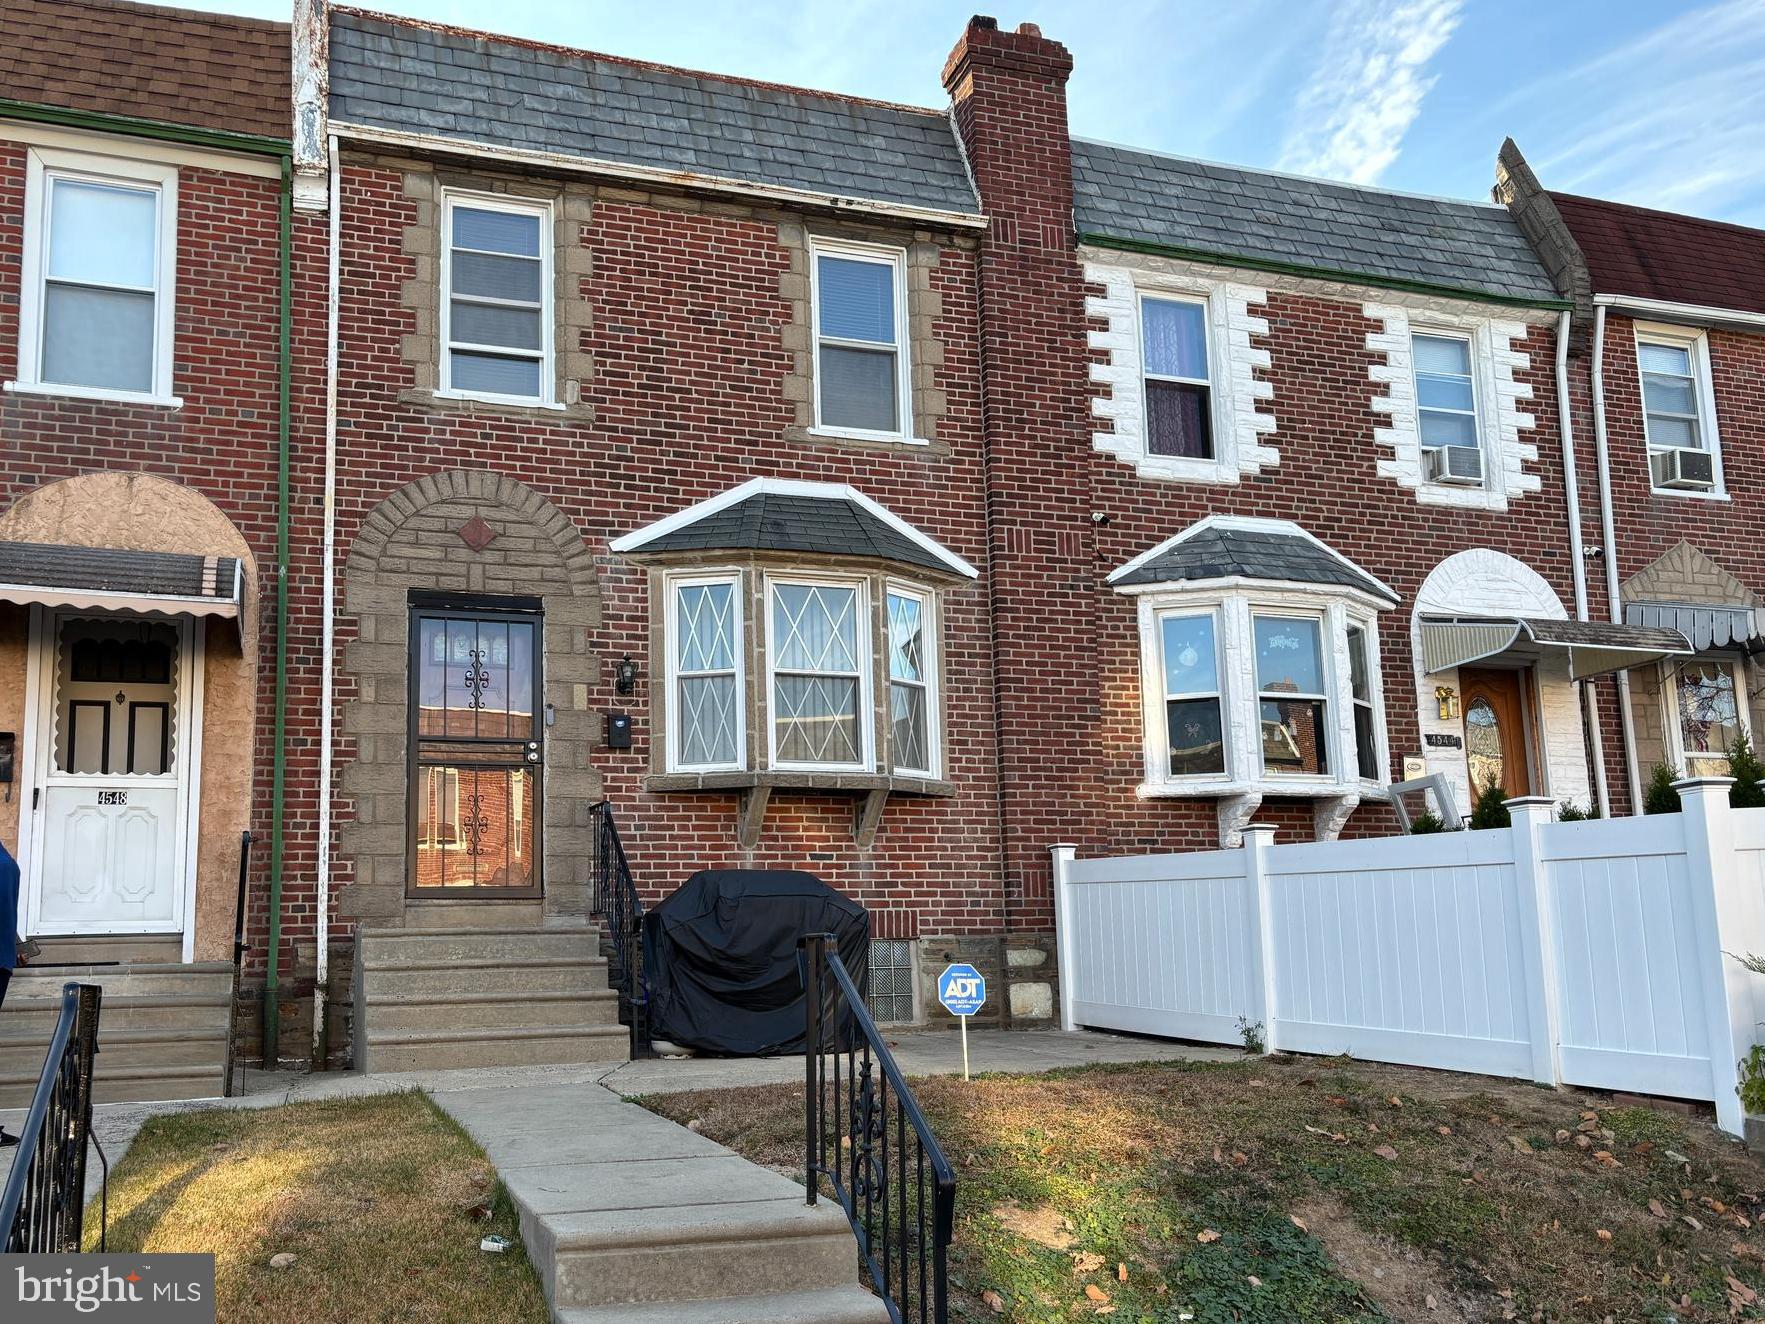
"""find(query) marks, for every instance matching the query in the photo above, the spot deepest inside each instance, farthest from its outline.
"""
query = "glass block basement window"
(891, 980)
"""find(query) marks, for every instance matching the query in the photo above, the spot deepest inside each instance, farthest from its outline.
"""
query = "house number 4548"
(113, 797)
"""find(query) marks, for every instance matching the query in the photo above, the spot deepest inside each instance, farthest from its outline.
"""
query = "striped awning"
(1592, 648)
(108, 579)
(1706, 627)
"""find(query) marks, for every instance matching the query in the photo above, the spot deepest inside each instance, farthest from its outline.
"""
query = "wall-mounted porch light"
(1447, 700)
(625, 676)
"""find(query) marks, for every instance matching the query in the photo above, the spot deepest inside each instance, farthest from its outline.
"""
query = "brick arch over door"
(468, 532)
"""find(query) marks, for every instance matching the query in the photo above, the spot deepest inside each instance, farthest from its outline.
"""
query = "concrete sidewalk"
(919, 1053)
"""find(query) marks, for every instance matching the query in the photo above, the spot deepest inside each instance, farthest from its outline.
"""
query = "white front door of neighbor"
(117, 727)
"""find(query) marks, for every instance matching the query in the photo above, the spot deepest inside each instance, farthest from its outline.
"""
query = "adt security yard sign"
(963, 992)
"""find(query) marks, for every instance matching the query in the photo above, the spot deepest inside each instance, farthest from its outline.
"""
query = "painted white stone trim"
(1500, 418)
(1485, 582)
(1239, 428)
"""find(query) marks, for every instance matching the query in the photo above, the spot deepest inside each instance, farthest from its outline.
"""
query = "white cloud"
(1368, 86)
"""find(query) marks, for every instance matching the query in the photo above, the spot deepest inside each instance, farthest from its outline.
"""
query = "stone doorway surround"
(469, 532)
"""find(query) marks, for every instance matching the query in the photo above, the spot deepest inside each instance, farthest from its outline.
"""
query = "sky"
(1657, 103)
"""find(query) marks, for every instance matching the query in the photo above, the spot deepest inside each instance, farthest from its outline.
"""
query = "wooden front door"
(1495, 731)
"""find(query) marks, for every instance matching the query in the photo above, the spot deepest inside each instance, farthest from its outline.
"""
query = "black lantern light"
(625, 676)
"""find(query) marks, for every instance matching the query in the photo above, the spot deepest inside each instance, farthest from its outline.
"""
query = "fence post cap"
(1528, 802)
(1702, 783)
(1261, 829)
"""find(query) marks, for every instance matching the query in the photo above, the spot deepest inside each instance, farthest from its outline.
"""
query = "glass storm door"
(114, 750)
(475, 753)
(1495, 731)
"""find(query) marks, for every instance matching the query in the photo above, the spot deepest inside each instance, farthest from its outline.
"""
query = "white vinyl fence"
(1593, 953)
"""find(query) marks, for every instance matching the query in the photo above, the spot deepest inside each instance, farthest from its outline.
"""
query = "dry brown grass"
(375, 1197)
(1484, 1209)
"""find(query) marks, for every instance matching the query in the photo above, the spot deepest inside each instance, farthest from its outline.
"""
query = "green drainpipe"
(250, 144)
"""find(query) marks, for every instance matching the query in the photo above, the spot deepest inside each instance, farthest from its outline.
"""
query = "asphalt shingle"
(1258, 554)
(777, 522)
(1229, 211)
(576, 103)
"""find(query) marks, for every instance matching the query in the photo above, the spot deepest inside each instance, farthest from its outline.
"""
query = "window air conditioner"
(1684, 468)
(1462, 465)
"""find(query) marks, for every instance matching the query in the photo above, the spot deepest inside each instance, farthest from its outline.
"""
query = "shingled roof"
(1122, 193)
(1273, 552)
(817, 519)
(1662, 255)
(420, 78)
(175, 66)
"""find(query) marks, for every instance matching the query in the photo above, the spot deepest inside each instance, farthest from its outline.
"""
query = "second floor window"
(496, 305)
(1178, 400)
(860, 312)
(1678, 411)
(99, 255)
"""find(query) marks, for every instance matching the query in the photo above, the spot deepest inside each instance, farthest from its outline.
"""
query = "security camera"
(1100, 518)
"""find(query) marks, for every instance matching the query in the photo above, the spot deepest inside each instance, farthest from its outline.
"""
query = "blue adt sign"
(962, 990)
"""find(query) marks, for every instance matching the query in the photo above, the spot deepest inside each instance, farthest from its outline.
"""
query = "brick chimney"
(1008, 90)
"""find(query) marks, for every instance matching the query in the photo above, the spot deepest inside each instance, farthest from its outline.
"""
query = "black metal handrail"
(621, 909)
(44, 1204)
(240, 947)
(864, 1134)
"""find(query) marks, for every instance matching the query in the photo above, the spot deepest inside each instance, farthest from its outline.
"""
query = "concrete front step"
(477, 1011)
(496, 1047)
(120, 1048)
(679, 1251)
(140, 979)
(547, 974)
(390, 947)
(148, 1011)
(447, 913)
(111, 949)
(129, 1085)
(845, 1305)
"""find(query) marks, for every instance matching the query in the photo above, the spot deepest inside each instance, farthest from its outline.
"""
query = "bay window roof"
(811, 519)
(1228, 548)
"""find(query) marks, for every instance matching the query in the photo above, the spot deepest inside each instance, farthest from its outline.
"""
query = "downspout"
(1609, 536)
(279, 769)
(321, 1030)
(1590, 712)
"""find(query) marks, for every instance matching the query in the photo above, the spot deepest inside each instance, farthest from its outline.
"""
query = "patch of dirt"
(1041, 1225)
(1407, 1285)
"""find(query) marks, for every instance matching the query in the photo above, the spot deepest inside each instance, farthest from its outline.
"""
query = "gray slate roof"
(513, 94)
(1222, 553)
(174, 574)
(822, 526)
(1231, 211)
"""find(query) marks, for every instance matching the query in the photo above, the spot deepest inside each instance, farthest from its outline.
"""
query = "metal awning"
(107, 579)
(1706, 627)
(1593, 648)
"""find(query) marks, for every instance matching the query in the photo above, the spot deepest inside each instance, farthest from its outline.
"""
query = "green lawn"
(1302, 1189)
(378, 1199)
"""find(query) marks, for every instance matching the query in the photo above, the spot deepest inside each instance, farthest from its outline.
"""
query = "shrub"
(1491, 810)
(1570, 812)
(1425, 824)
(1746, 769)
(1658, 796)
(1252, 1035)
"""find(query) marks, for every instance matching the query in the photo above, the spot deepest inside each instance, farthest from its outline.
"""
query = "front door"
(114, 736)
(1495, 731)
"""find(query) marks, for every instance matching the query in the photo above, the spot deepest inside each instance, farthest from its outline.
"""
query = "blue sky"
(1660, 104)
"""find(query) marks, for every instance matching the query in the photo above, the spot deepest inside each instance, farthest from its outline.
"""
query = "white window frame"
(896, 260)
(930, 642)
(42, 167)
(1208, 383)
(1697, 346)
(1334, 771)
(540, 207)
(673, 583)
(1474, 371)
(1370, 661)
(1669, 683)
(866, 660)
(1235, 605)
(1158, 732)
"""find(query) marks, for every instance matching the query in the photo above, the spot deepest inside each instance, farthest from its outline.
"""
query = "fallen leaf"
(1096, 1293)
(1254, 1281)
(1658, 1209)
(1603, 1235)
(1206, 1235)
(1444, 1130)
(1386, 1152)
(1394, 1101)
(1605, 1156)
(1691, 1222)
(994, 1301)
(1239, 1158)
(1740, 1291)
(1299, 1222)
(1746, 1252)
(1520, 1145)
(1085, 1262)
(285, 1260)
(1121, 1273)
(1337, 1136)
(1429, 1301)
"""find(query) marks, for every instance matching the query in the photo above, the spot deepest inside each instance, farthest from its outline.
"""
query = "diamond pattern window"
(706, 656)
(817, 641)
(911, 668)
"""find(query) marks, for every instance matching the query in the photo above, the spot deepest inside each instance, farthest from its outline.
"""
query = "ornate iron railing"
(617, 903)
(44, 1204)
(866, 1138)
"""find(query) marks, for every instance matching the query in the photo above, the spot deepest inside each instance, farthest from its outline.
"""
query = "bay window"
(817, 650)
(912, 677)
(1705, 715)
(1190, 658)
(1360, 690)
(705, 656)
(1292, 698)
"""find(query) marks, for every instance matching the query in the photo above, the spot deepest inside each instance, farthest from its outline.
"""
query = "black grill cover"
(721, 958)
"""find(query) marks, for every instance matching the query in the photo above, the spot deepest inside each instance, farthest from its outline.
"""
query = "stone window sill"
(98, 393)
(463, 402)
(871, 792)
